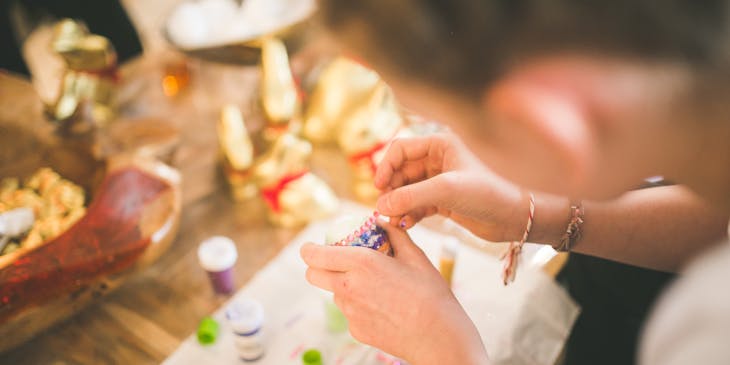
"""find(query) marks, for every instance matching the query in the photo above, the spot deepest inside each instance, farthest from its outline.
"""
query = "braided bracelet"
(515, 248)
(573, 232)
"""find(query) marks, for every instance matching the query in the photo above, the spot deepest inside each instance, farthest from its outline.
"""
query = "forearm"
(659, 228)
(457, 343)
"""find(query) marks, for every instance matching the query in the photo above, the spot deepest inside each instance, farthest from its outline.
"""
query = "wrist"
(551, 216)
(457, 341)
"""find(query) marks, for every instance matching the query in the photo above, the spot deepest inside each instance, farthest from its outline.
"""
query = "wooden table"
(144, 320)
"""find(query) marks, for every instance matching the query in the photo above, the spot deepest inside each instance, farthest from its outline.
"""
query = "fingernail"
(402, 223)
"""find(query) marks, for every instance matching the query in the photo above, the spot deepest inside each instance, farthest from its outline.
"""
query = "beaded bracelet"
(573, 231)
(515, 248)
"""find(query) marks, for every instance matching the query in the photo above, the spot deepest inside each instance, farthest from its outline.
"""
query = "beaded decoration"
(368, 235)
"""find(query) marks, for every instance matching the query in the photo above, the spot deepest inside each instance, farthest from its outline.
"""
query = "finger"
(396, 220)
(332, 258)
(323, 279)
(400, 241)
(409, 173)
(430, 192)
(415, 216)
(400, 151)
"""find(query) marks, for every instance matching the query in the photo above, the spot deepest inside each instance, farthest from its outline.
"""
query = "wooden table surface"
(144, 320)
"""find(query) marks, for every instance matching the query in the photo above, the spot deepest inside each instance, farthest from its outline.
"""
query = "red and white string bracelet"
(512, 254)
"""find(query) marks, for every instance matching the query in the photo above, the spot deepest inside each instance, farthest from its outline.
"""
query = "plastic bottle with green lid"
(207, 331)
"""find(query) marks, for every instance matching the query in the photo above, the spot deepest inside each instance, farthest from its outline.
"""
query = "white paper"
(526, 322)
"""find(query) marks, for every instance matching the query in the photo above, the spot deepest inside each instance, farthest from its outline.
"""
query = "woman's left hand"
(398, 304)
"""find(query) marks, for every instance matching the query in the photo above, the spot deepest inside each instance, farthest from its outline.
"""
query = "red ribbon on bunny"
(272, 193)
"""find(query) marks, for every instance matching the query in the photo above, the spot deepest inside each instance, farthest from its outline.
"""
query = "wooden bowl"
(132, 217)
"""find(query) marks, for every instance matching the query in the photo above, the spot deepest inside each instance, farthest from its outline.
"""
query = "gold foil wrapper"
(237, 153)
(279, 93)
(87, 87)
(343, 86)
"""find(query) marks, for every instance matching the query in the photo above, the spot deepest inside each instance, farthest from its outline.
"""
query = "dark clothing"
(615, 300)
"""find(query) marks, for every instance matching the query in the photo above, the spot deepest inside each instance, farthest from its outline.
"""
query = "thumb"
(401, 242)
(433, 192)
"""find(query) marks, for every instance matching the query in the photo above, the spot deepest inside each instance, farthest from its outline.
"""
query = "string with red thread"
(515, 248)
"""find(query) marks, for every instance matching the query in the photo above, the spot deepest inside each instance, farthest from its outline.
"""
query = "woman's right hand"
(438, 175)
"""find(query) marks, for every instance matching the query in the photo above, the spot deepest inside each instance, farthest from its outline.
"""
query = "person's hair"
(465, 44)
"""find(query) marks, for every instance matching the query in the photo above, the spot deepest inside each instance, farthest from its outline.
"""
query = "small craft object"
(447, 261)
(342, 87)
(237, 153)
(246, 318)
(217, 255)
(293, 194)
(207, 331)
(365, 134)
(279, 92)
(361, 232)
(88, 84)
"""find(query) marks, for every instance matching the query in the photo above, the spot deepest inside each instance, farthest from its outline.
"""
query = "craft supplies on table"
(524, 323)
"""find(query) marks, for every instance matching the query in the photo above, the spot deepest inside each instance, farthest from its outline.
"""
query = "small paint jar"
(217, 255)
(246, 318)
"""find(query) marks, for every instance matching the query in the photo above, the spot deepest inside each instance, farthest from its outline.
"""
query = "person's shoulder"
(692, 320)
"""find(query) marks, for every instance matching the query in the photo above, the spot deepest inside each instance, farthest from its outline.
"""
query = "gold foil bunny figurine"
(342, 87)
(279, 92)
(88, 84)
(365, 134)
(237, 153)
(293, 194)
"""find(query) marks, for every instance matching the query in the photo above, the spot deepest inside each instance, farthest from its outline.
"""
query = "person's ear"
(550, 124)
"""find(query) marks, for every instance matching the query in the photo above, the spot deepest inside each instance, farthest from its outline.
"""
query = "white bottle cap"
(217, 254)
(245, 316)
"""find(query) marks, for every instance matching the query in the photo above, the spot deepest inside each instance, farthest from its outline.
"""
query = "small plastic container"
(246, 318)
(217, 255)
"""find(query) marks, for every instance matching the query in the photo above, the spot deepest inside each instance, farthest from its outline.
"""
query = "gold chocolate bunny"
(293, 194)
(364, 136)
(90, 77)
(342, 87)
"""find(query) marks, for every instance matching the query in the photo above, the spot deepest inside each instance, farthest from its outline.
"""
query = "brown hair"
(465, 44)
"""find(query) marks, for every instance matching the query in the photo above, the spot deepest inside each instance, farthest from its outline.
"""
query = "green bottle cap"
(312, 357)
(207, 331)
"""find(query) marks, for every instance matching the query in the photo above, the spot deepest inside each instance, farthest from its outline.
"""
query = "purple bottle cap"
(217, 255)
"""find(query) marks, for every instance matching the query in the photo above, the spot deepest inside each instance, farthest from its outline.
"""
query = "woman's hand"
(399, 304)
(439, 175)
